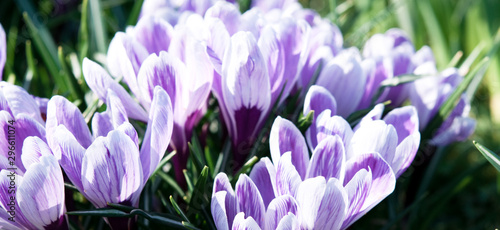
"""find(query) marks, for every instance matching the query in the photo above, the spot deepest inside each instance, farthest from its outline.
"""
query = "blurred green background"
(48, 39)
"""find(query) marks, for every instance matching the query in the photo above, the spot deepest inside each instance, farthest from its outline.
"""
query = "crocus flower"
(155, 54)
(3, 50)
(244, 94)
(18, 106)
(386, 56)
(32, 198)
(430, 93)
(108, 167)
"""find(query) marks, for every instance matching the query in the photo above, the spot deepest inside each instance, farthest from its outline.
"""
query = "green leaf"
(153, 217)
(70, 186)
(98, 26)
(66, 76)
(199, 189)
(178, 209)
(46, 47)
(134, 14)
(245, 169)
(31, 73)
(196, 152)
(163, 162)
(103, 212)
(189, 182)
(493, 158)
(395, 81)
(83, 33)
(121, 207)
(170, 181)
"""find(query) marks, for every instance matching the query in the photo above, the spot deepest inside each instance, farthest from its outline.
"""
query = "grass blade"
(178, 209)
(493, 158)
(163, 162)
(98, 25)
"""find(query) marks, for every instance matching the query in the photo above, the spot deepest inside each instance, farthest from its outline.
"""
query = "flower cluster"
(174, 60)
(349, 172)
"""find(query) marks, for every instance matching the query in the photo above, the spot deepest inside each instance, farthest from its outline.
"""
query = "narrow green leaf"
(104, 212)
(454, 61)
(473, 56)
(89, 112)
(493, 158)
(11, 48)
(435, 32)
(170, 181)
(218, 164)
(209, 159)
(108, 212)
(31, 73)
(163, 162)
(178, 209)
(43, 43)
(199, 196)
(83, 33)
(121, 207)
(188, 225)
(189, 182)
(197, 152)
(395, 81)
(200, 201)
(69, 80)
(134, 14)
(70, 186)
(245, 169)
(98, 26)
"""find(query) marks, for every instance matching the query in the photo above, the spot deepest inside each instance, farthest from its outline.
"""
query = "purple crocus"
(244, 94)
(18, 106)
(386, 56)
(32, 198)
(108, 166)
(151, 54)
(430, 93)
(349, 172)
(253, 71)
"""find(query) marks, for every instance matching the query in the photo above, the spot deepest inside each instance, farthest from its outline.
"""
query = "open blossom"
(255, 67)
(108, 166)
(430, 93)
(349, 172)
(36, 198)
(153, 53)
